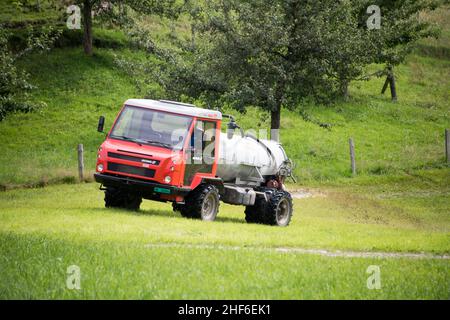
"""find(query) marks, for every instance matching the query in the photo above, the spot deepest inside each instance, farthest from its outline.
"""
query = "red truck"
(171, 151)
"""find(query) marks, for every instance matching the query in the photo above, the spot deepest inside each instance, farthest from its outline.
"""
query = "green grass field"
(157, 254)
(399, 202)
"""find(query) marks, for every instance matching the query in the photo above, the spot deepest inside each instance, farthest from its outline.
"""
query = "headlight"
(100, 168)
(167, 179)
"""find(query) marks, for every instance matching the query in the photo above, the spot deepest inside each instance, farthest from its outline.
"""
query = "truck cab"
(168, 151)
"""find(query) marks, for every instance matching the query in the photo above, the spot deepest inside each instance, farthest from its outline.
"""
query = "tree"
(115, 10)
(347, 47)
(87, 19)
(273, 54)
(253, 52)
(350, 45)
(14, 84)
(399, 31)
(400, 28)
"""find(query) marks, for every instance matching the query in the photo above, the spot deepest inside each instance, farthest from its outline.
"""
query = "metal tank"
(245, 160)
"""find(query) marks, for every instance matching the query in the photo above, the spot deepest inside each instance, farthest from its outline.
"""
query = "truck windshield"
(147, 126)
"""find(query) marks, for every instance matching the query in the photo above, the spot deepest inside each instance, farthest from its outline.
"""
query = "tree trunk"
(275, 119)
(344, 89)
(87, 18)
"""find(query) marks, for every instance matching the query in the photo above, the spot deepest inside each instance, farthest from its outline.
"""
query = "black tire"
(119, 198)
(251, 214)
(279, 209)
(177, 207)
(254, 214)
(202, 203)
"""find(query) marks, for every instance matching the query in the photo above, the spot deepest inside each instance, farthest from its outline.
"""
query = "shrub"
(14, 85)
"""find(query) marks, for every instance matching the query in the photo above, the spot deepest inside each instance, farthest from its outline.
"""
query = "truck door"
(201, 153)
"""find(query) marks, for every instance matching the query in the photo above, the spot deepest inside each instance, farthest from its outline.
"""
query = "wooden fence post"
(386, 83)
(80, 163)
(352, 155)
(393, 88)
(447, 145)
(390, 80)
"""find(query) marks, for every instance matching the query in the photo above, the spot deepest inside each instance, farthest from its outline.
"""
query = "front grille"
(131, 158)
(145, 172)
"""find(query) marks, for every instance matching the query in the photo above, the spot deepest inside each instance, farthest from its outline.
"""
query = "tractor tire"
(202, 203)
(118, 198)
(254, 214)
(177, 207)
(257, 212)
(278, 210)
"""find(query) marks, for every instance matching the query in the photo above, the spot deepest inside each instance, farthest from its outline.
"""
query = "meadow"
(157, 254)
(394, 213)
(390, 138)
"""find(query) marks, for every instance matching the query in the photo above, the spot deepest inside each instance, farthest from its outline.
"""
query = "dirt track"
(321, 252)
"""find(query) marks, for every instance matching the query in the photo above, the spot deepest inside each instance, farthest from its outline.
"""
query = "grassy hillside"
(391, 138)
(14, 13)
(394, 214)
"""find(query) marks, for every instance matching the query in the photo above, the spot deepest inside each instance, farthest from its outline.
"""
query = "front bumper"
(143, 187)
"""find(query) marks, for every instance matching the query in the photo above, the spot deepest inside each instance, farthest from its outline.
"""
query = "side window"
(202, 150)
(203, 140)
(209, 141)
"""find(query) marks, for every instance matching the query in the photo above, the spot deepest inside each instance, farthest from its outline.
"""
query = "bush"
(9, 105)
(102, 38)
(14, 85)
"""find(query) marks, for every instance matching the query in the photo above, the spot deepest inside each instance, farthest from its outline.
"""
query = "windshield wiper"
(127, 139)
(142, 141)
(162, 144)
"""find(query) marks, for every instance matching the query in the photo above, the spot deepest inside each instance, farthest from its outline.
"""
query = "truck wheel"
(177, 207)
(279, 209)
(251, 214)
(254, 214)
(117, 198)
(202, 203)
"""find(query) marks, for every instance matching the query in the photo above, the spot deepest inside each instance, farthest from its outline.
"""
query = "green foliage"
(251, 53)
(273, 53)
(401, 28)
(120, 13)
(390, 138)
(102, 38)
(20, 14)
(14, 85)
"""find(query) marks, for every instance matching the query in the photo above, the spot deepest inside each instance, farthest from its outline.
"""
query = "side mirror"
(231, 126)
(101, 124)
(230, 133)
